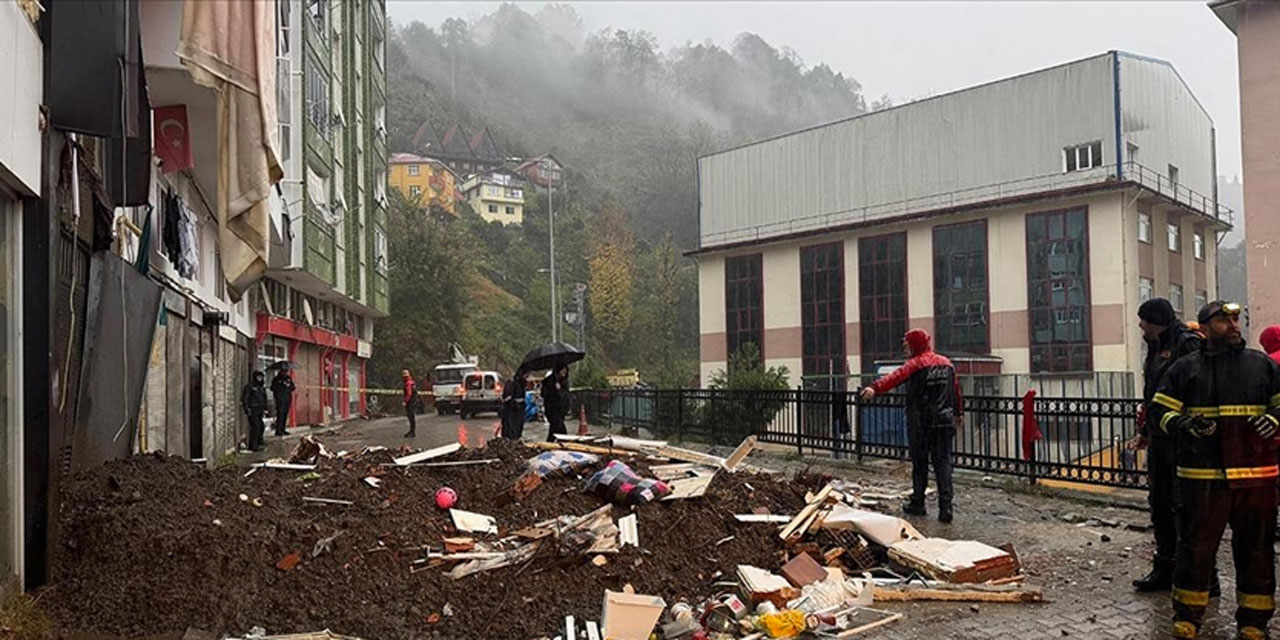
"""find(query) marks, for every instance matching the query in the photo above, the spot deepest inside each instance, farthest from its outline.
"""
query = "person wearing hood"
(1270, 340)
(513, 410)
(410, 389)
(253, 401)
(555, 400)
(1221, 404)
(1167, 341)
(934, 410)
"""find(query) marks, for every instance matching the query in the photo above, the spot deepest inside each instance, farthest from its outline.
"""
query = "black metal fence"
(1083, 439)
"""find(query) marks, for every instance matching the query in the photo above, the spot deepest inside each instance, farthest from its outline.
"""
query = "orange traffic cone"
(462, 435)
(582, 421)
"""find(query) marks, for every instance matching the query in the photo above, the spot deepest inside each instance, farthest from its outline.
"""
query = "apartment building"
(427, 181)
(327, 278)
(497, 195)
(1021, 222)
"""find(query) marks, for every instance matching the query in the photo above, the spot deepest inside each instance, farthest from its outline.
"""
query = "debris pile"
(501, 542)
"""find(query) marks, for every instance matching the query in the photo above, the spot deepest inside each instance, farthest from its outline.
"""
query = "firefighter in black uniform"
(1222, 406)
(1167, 340)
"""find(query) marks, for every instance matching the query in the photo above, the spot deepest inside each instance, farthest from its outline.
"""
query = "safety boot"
(1184, 630)
(915, 508)
(1251, 633)
(1160, 579)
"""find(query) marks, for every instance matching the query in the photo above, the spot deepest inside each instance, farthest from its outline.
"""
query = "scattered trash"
(561, 462)
(244, 498)
(290, 561)
(964, 561)
(257, 502)
(325, 544)
(344, 503)
(599, 561)
(628, 616)
(285, 466)
(447, 611)
(629, 534)
(739, 454)
(373, 482)
(803, 570)
(762, 518)
(309, 477)
(428, 454)
(619, 484)
(446, 498)
(473, 522)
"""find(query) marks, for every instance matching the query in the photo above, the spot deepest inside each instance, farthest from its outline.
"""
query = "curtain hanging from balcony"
(230, 47)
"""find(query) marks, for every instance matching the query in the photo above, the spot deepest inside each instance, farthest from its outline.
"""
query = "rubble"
(542, 562)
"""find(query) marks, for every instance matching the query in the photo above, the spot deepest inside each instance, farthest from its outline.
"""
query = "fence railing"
(1084, 439)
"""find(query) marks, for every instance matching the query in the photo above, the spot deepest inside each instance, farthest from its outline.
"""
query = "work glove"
(1197, 426)
(1265, 425)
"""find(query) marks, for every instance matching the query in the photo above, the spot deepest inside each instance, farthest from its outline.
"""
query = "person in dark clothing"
(1167, 340)
(513, 406)
(1222, 406)
(253, 401)
(555, 400)
(935, 408)
(282, 389)
(410, 403)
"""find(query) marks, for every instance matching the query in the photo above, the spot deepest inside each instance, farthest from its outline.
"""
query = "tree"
(610, 278)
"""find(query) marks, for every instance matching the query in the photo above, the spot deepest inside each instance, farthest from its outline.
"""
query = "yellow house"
(425, 180)
(497, 195)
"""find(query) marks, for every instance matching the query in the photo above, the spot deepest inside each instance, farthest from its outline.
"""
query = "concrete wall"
(1258, 30)
(21, 93)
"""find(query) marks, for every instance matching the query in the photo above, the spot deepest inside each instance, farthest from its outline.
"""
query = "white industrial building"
(1021, 222)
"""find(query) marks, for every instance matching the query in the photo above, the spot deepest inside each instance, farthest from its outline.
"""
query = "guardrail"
(1083, 439)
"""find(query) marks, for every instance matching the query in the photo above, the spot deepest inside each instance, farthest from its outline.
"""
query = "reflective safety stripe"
(1166, 419)
(1240, 473)
(1167, 401)
(1192, 598)
(1275, 400)
(1228, 411)
(1255, 601)
(1201, 474)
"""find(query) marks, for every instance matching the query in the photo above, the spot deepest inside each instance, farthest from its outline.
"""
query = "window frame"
(1202, 298)
(415, 191)
(415, 170)
(1173, 237)
(1177, 298)
(493, 208)
(1078, 353)
(943, 262)
(1072, 155)
(744, 274)
(1197, 245)
(819, 300)
(1149, 226)
(1150, 286)
(876, 313)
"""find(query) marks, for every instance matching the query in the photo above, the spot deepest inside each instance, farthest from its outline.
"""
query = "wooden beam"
(969, 593)
(582, 448)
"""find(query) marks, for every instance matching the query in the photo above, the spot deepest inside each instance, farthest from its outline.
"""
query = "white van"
(446, 385)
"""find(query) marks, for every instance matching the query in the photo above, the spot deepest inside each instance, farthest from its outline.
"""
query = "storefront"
(327, 369)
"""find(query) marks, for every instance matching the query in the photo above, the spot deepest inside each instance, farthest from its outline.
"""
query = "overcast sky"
(916, 49)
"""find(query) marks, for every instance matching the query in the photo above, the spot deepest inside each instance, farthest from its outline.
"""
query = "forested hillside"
(627, 116)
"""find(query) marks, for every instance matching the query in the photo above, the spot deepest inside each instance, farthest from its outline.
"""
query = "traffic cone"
(582, 421)
(462, 435)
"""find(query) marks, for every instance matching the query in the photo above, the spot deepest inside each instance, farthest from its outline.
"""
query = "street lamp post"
(551, 234)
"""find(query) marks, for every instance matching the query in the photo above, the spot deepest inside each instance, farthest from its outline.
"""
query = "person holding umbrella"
(555, 399)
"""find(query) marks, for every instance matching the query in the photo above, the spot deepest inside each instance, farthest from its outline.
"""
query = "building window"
(744, 302)
(822, 309)
(493, 208)
(284, 71)
(1146, 289)
(414, 170)
(415, 190)
(380, 251)
(1197, 245)
(882, 296)
(318, 12)
(511, 211)
(1202, 298)
(1144, 227)
(1083, 157)
(1175, 298)
(318, 98)
(1173, 176)
(1174, 233)
(1058, 291)
(960, 287)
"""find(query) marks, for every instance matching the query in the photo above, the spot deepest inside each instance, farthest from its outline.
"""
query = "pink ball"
(446, 498)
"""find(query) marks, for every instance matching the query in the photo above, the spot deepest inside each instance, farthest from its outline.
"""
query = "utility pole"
(551, 232)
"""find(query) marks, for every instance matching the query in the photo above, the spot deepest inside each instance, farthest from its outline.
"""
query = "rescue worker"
(253, 401)
(1167, 341)
(1222, 405)
(934, 410)
(410, 403)
(282, 387)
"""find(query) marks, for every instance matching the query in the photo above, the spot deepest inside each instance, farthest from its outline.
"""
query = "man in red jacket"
(1270, 340)
(934, 409)
(410, 402)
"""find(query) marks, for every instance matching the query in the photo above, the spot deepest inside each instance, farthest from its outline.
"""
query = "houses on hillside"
(428, 182)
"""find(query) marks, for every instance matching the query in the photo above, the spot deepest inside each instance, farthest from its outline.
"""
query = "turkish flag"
(173, 139)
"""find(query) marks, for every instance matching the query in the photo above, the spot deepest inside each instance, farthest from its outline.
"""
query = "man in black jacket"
(282, 387)
(1222, 405)
(253, 400)
(1167, 340)
(555, 400)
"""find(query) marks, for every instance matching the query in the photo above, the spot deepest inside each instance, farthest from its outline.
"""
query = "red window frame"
(744, 302)
(882, 296)
(958, 253)
(822, 309)
(1059, 303)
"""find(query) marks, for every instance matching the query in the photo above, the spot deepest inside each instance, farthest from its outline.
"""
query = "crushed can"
(723, 613)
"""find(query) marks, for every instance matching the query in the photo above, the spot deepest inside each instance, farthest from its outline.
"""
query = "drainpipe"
(1115, 78)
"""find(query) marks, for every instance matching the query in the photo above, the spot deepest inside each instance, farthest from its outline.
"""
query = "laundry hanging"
(189, 253)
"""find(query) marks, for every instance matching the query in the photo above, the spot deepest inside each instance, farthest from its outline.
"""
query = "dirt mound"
(153, 545)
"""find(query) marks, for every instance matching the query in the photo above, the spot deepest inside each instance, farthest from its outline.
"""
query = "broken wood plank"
(948, 593)
(688, 488)
(629, 533)
(688, 455)
(534, 533)
(428, 454)
(891, 617)
(456, 463)
(744, 449)
(759, 518)
(573, 446)
(345, 503)
(668, 472)
(285, 466)
(806, 513)
(469, 555)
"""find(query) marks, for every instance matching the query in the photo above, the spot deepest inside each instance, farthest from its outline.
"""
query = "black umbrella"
(550, 356)
(282, 364)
